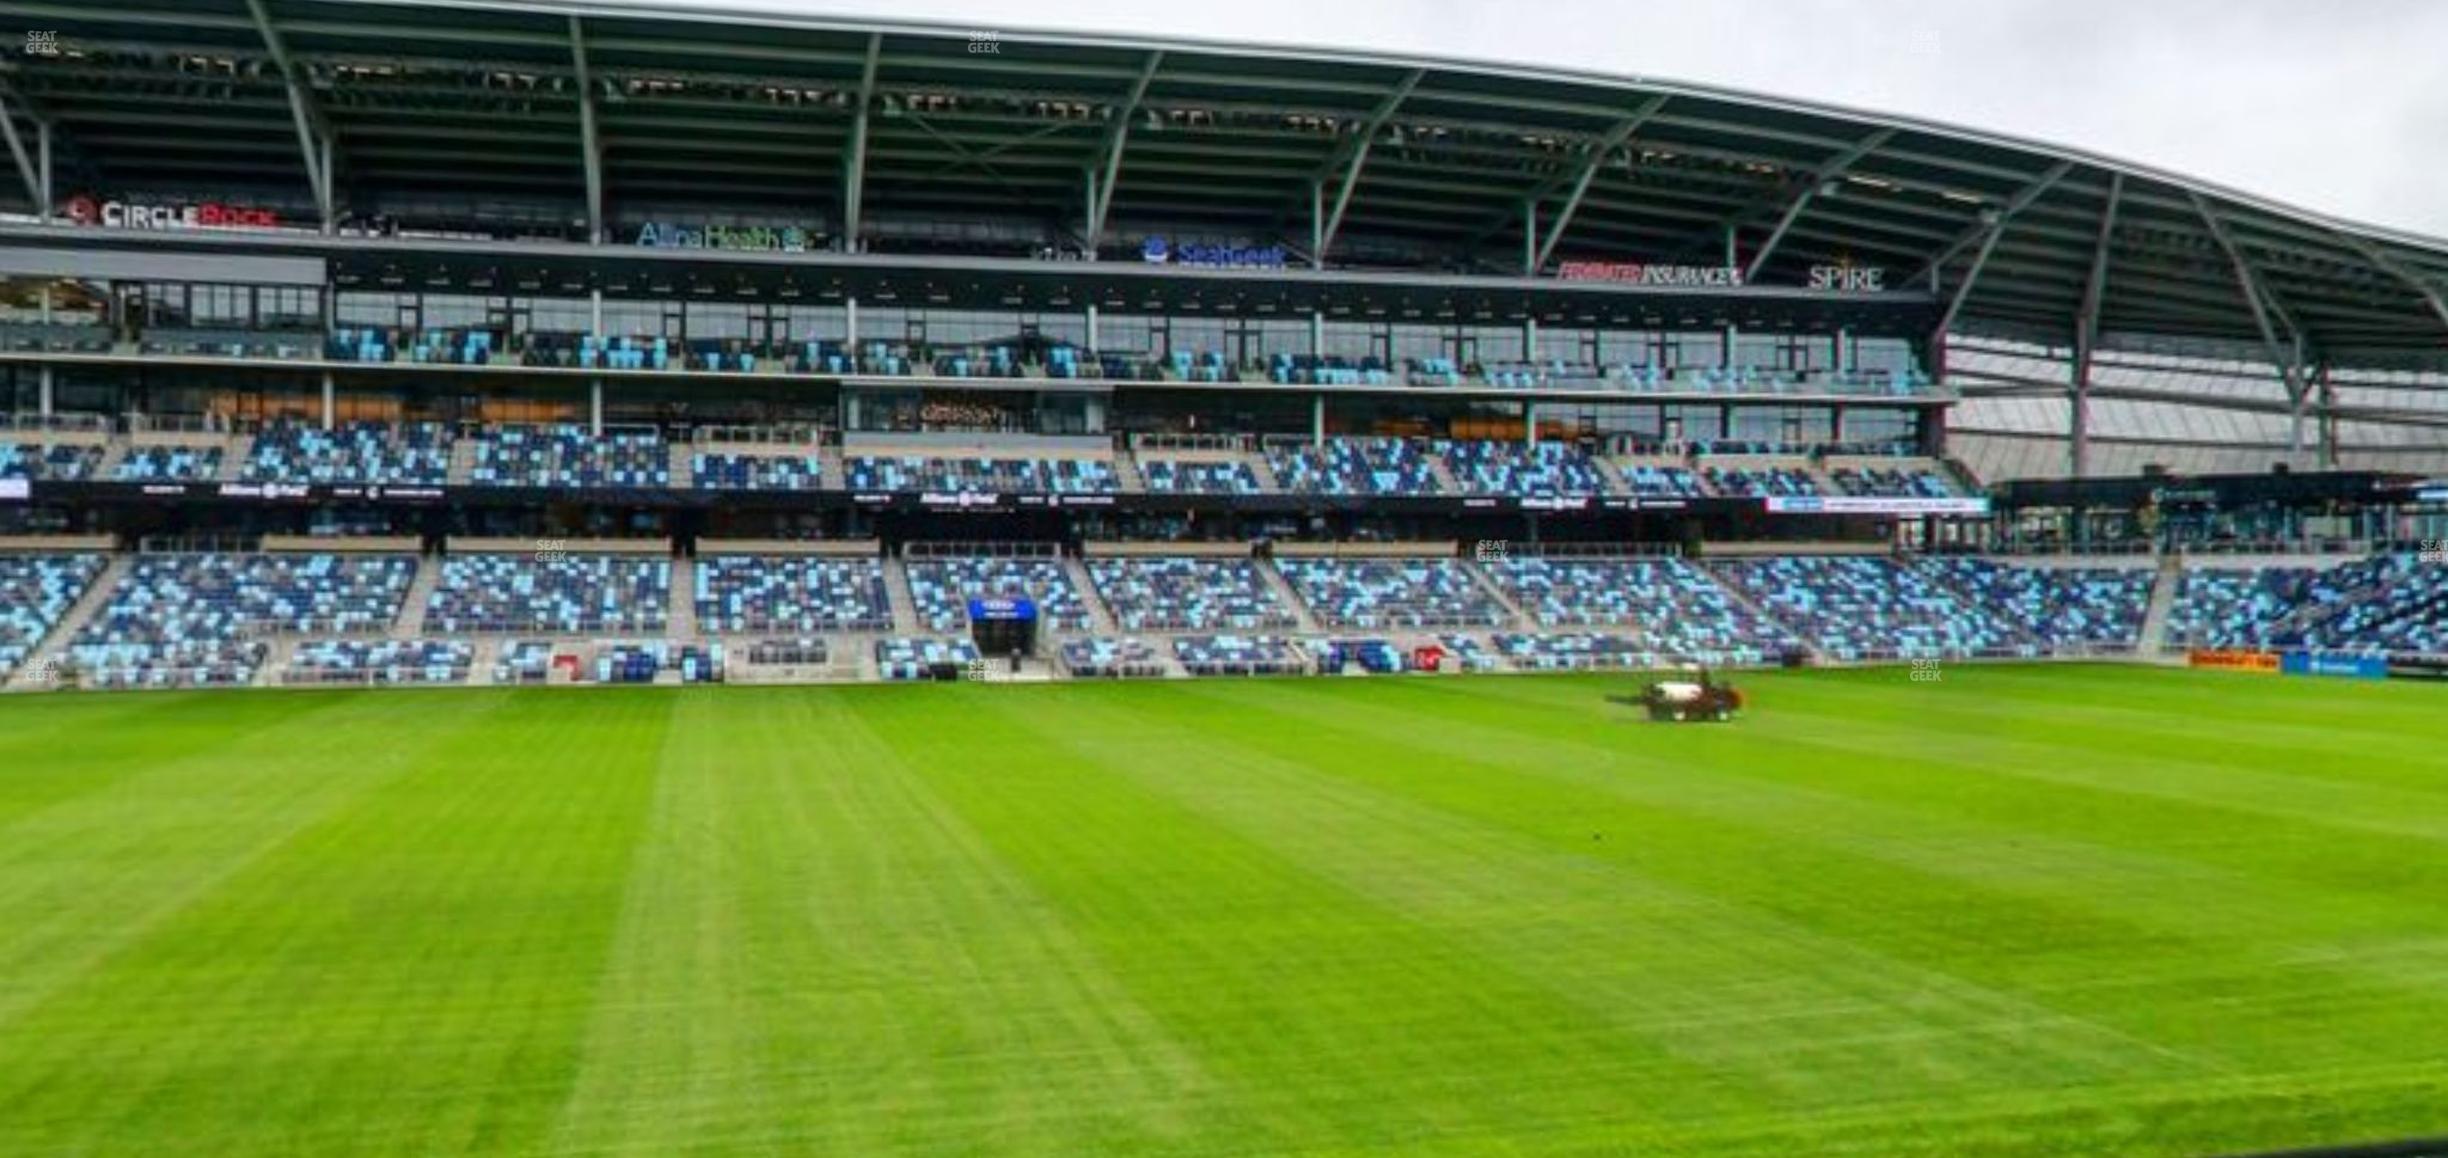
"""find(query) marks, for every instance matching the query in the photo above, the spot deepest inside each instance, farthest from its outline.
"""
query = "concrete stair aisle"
(681, 620)
(677, 456)
(35, 672)
(481, 658)
(904, 604)
(1259, 466)
(2153, 638)
(114, 452)
(1100, 617)
(462, 461)
(281, 649)
(1127, 475)
(1304, 621)
(1520, 620)
(1446, 483)
(234, 457)
(411, 622)
(829, 466)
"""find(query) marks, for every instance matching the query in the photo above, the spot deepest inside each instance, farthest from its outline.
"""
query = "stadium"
(1186, 533)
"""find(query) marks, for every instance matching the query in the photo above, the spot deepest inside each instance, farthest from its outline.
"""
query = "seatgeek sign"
(151, 215)
(1164, 251)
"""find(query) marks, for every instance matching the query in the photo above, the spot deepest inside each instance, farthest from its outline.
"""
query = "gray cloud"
(2340, 107)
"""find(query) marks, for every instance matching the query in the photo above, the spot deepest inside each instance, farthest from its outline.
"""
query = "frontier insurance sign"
(1645, 274)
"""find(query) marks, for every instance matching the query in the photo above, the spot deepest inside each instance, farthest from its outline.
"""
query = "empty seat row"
(1188, 594)
(759, 594)
(559, 594)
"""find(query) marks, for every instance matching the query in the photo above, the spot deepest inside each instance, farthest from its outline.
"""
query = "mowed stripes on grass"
(2022, 910)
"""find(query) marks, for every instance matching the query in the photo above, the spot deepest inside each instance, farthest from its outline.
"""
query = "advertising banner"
(2318, 663)
(1873, 505)
(2263, 662)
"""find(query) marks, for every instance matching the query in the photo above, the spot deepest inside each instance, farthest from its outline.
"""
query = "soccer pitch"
(2029, 910)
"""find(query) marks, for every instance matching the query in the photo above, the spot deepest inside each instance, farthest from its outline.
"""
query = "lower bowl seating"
(2055, 607)
(1188, 594)
(1466, 653)
(1575, 651)
(918, 659)
(2398, 605)
(1210, 655)
(1099, 657)
(35, 592)
(1857, 607)
(2239, 607)
(1374, 656)
(202, 619)
(1383, 593)
(943, 588)
(526, 661)
(380, 661)
(559, 594)
(759, 594)
(803, 652)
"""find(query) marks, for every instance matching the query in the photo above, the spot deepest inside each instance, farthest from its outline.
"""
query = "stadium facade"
(432, 337)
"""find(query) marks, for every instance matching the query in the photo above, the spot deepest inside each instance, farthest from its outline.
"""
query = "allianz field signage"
(731, 238)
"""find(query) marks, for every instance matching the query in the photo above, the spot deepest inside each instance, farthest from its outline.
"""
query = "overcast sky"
(2335, 105)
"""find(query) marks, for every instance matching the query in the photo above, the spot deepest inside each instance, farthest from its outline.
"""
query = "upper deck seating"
(981, 475)
(411, 454)
(570, 456)
(1354, 466)
(1541, 470)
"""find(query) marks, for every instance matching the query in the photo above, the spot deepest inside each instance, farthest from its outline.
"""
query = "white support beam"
(1974, 232)
(1963, 292)
(2086, 335)
(1615, 139)
(2430, 293)
(17, 152)
(42, 169)
(1359, 159)
(854, 162)
(1117, 136)
(590, 138)
(1829, 170)
(303, 113)
(1317, 225)
(2286, 358)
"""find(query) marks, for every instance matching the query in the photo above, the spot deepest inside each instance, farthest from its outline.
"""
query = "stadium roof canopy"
(1371, 159)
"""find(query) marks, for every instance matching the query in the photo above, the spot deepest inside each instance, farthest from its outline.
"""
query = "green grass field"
(2019, 911)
